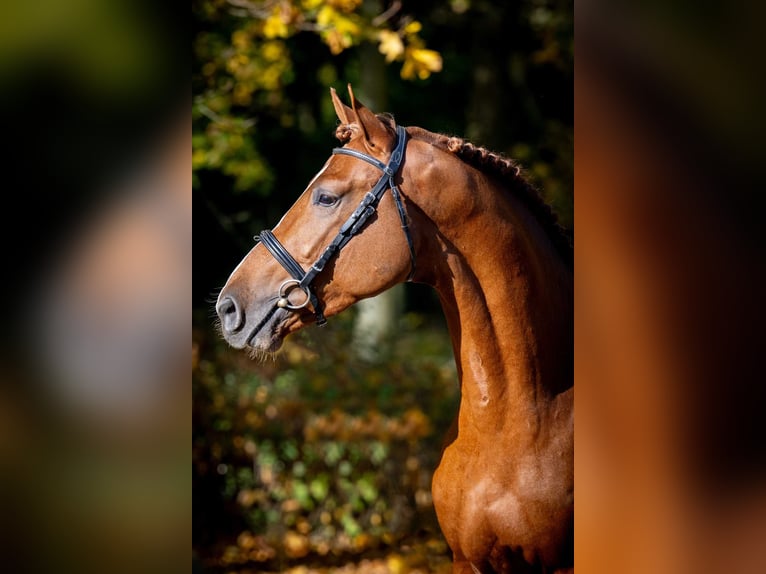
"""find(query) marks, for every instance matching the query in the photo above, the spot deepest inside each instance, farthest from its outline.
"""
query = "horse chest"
(486, 501)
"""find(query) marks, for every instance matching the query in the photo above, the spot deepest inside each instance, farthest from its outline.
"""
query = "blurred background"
(670, 465)
(320, 459)
(96, 236)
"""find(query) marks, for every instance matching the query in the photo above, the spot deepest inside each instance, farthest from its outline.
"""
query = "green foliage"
(320, 452)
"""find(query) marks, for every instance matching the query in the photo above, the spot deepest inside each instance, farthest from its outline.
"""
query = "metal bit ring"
(284, 303)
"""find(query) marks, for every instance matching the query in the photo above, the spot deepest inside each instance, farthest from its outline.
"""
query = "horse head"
(308, 266)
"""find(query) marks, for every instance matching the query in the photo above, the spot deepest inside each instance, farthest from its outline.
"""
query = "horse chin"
(264, 331)
(266, 336)
(264, 344)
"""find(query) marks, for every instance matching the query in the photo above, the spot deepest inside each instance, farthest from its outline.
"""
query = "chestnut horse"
(396, 204)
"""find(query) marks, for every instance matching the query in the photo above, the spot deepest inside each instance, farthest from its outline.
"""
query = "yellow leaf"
(326, 16)
(346, 26)
(420, 62)
(396, 564)
(273, 51)
(413, 27)
(430, 59)
(275, 26)
(339, 31)
(391, 45)
(335, 41)
(408, 69)
(296, 545)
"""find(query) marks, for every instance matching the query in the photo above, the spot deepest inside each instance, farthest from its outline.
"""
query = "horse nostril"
(230, 314)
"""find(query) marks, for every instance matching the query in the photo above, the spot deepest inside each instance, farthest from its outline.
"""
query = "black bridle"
(353, 225)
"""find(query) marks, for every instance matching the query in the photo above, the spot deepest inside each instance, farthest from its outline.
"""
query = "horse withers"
(395, 204)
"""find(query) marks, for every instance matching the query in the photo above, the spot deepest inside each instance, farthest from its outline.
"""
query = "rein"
(353, 225)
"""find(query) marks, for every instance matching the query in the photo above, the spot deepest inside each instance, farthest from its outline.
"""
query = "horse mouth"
(261, 331)
(264, 336)
(265, 328)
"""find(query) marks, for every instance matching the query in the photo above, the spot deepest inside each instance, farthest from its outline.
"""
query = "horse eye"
(326, 200)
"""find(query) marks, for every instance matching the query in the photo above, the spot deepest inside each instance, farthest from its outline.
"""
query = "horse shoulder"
(522, 502)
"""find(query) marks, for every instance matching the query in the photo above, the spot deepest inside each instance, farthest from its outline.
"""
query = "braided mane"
(493, 164)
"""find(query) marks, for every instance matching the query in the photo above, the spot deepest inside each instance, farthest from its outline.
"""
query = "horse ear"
(376, 135)
(344, 113)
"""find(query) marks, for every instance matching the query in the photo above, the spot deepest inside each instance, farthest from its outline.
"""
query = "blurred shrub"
(319, 454)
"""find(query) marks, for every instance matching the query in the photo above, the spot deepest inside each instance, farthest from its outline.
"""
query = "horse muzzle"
(256, 327)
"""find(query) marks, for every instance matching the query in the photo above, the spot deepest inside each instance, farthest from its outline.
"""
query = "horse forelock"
(512, 175)
(346, 132)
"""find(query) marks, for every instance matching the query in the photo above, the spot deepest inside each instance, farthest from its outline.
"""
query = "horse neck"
(507, 297)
